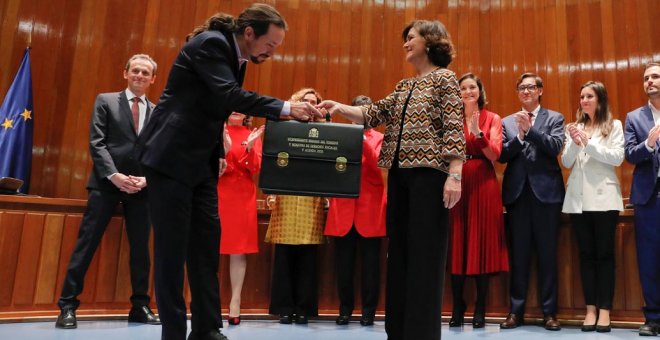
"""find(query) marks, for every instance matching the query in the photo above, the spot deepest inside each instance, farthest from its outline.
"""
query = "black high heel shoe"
(478, 320)
(457, 318)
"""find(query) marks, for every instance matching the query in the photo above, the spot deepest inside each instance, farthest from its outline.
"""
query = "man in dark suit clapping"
(181, 151)
(642, 147)
(532, 191)
(117, 120)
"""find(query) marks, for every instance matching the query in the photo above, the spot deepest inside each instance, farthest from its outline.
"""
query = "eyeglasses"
(530, 88)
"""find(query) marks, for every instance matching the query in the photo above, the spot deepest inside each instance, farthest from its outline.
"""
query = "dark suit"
(180, 150)
(111, 142)
(644, 195)
(532, 191)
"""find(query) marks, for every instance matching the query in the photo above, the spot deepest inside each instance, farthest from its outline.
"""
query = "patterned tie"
(136, 113)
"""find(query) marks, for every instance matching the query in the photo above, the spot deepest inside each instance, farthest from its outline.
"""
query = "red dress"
(477, 243)
(237, 195)
(367, 211)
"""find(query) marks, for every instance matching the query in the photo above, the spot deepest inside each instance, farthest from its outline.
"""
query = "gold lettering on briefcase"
(340, 164)
(282, 159)
(313, 133)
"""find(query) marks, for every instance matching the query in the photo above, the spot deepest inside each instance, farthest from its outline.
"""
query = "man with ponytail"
(180, 151)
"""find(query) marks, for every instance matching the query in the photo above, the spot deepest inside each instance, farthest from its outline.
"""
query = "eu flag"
(17, 125)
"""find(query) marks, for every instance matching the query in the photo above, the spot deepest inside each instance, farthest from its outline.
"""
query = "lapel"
(125, 110)
(239, 72)
(150, 107)
(541, 117)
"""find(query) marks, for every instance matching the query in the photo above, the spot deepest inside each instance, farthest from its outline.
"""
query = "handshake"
(305, 111)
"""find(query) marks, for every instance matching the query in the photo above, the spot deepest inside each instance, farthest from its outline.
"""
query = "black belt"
(469, 157)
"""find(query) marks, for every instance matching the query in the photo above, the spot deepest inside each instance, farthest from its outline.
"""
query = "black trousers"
(533, 224)
(595, 231)
(100, 207)
(418, 229)
(345, 251)
(294, 286)
(186, 232)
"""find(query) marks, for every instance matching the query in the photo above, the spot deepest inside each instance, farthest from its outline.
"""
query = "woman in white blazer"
(593, 198)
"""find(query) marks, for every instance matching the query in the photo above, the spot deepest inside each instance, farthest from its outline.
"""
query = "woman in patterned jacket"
(423, 149)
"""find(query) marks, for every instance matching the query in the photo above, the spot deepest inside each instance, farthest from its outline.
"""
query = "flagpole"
(29, 39)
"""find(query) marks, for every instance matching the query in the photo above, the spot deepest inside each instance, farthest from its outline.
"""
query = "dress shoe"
(457, 319)
(603, 329)
(66, 319)
(650, 328)
(367, 320)
(512, 321)
(212, 335)
(301, 320)
(588, 328)
(143, 315)
(234, 320)
(286, 319)
(551, 323)
(478, 321)
(342, 320)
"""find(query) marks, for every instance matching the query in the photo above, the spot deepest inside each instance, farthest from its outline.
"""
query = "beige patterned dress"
(296, 220)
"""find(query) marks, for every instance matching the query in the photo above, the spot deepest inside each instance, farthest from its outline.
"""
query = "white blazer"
(593, 184)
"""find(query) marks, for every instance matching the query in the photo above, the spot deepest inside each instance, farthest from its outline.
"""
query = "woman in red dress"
(237, 204)
(477, 245)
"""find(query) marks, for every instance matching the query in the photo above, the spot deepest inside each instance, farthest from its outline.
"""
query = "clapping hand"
(254, 135)
(473, 124)
(654, 134)
(578, 135)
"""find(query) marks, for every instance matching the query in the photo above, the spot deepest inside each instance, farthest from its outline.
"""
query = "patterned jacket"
(432, 132)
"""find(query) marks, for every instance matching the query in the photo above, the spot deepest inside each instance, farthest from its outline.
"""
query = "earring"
(427, 50)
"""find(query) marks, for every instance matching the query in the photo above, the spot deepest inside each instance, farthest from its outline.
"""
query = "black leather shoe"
(366, 320)
(301, 320)
(143, 315)
(66, 319)
(212, 335)
(650, 328)
(603, 329)
(286, 319)
(342, 320)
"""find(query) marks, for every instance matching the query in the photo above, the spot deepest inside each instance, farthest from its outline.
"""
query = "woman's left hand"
(452, 192)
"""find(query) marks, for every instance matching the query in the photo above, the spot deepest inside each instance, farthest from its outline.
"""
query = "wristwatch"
(455, 176)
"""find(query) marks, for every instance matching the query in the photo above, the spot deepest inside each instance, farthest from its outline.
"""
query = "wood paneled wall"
(38, 235)
(341, 47)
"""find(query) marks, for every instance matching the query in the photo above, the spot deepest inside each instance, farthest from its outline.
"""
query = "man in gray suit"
(532, 191)
(116, 178)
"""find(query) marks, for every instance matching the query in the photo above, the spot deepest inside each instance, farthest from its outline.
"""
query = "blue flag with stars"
(17, 125)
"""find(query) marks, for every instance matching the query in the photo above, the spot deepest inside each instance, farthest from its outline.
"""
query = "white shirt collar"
(654, 110)
(534, 112)
(130, 95)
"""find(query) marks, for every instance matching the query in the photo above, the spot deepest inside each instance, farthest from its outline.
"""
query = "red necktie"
(136, 113)
(530, 116)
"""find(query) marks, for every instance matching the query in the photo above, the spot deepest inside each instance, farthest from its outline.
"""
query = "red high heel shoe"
(234, 320)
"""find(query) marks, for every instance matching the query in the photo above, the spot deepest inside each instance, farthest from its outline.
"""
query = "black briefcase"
(311, 159)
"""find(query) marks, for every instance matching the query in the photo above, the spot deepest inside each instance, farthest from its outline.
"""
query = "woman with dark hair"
(423, 149)
(595, 146)
(237, 203)
(477, 246)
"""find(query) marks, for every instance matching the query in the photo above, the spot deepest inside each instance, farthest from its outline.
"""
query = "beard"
(255, 59)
